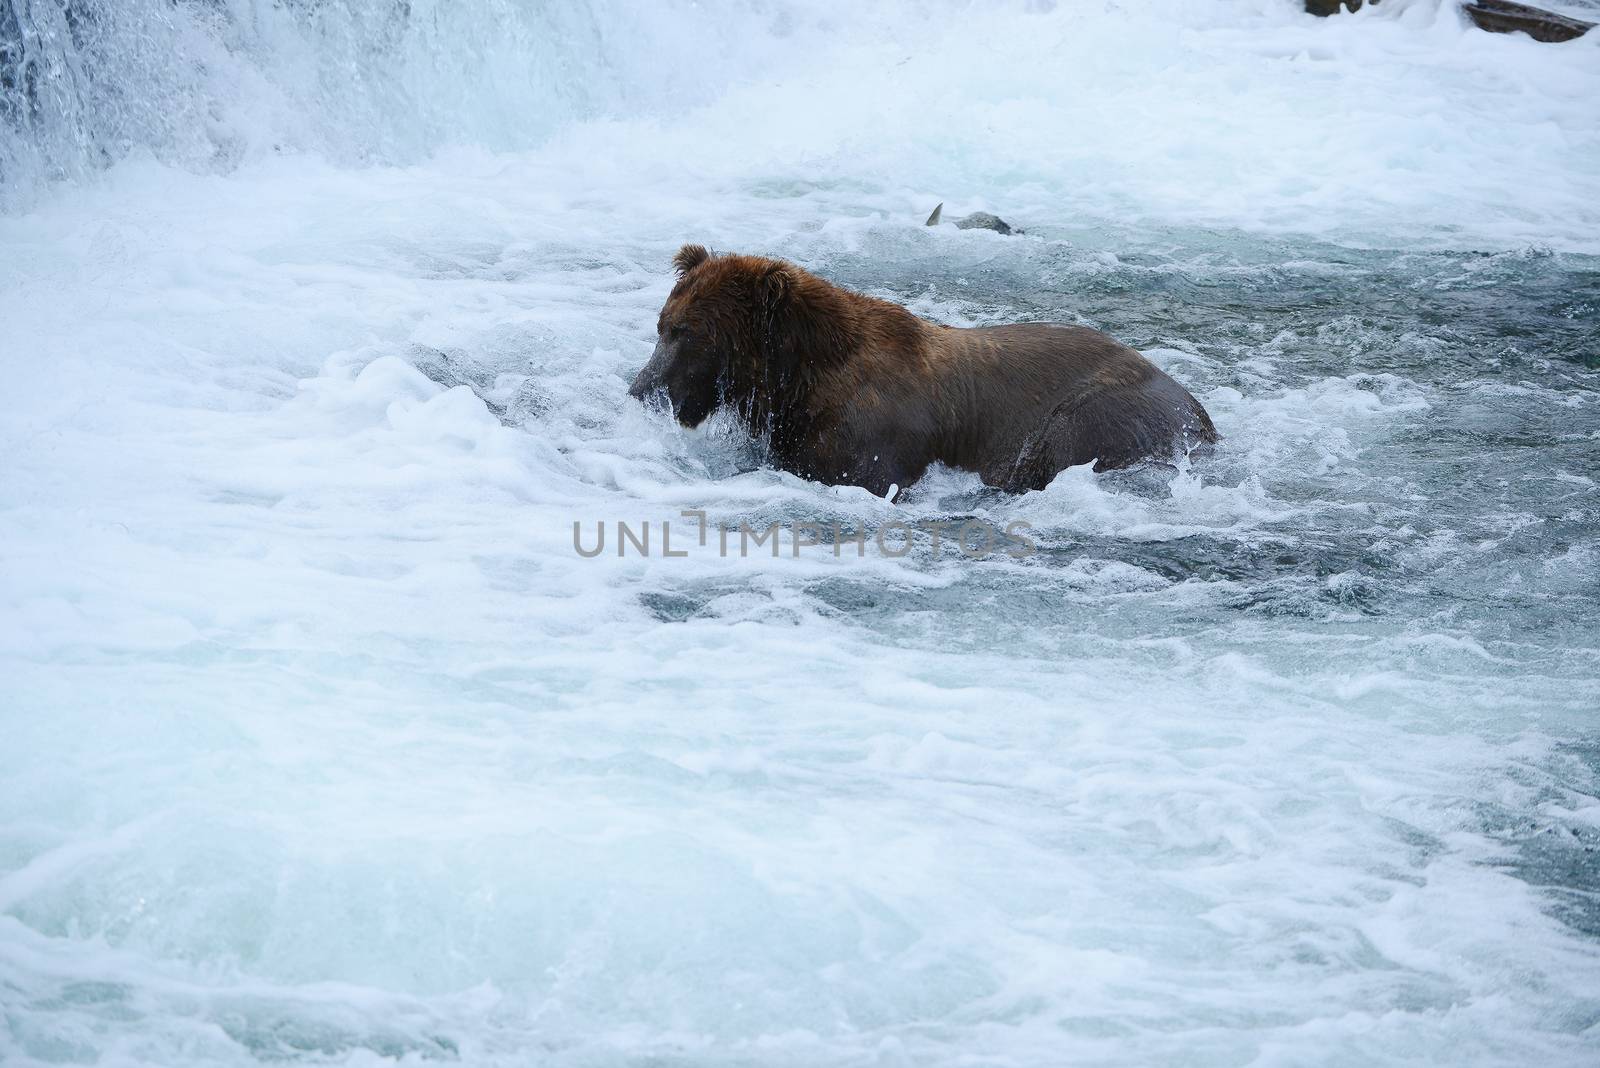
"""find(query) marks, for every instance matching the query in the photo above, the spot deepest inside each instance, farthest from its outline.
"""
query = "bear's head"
(728, 334)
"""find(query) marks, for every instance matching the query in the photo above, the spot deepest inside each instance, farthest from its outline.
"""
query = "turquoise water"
(321, 744)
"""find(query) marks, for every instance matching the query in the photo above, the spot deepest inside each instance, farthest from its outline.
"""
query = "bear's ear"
(776, 285)
(689, 257)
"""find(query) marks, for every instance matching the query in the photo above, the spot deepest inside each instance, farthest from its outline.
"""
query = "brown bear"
(856, 391)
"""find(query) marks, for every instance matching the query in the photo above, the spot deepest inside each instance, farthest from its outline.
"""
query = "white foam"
(321, 742)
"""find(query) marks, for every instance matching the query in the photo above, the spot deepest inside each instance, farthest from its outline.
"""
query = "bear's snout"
(651, 376)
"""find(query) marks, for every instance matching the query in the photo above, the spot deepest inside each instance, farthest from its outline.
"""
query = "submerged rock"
(978, 220)
(1502, 16)
(451, 367)
(529, 401)
(1496, 16)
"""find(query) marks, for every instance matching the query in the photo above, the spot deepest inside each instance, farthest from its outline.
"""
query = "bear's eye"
(677, 331)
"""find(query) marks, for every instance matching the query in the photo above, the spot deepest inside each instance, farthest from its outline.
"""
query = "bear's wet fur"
(852, 390)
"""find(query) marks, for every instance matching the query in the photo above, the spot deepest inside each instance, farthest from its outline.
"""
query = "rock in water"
(982, 220)
(1496, 16)
(1502, 16)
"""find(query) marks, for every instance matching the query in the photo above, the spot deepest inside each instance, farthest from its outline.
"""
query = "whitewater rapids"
(319, 743)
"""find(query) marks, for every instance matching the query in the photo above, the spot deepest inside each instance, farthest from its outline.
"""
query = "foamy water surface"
(320, 743)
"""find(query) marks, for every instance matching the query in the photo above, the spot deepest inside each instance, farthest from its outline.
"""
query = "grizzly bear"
(856, 391)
